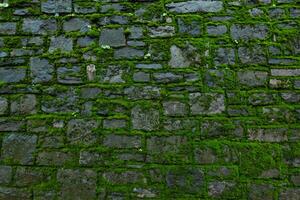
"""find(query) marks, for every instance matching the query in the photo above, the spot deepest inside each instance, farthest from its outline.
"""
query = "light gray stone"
(38, 26)
(145, 118)
(112, 37)
(195, 6)
(56, 6)
(61, 43)
(41, 70)
(207, 103)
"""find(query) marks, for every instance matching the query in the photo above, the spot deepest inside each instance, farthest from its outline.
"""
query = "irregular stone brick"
(175, 108)
(8, 28)
(40, 27)
(146, 92)
(80, 131)
(285, 72)
(3, 105)
(219, 188)
(55, 158)
(112, 37)
(128, 53)
(28, 176)
(56, 6)
(77, 184)
(122, 141)
(261, 191)
(289, 194)
(207, 103)
(114, 123)
(136, 32)
(145, 119)
(268, 135)
(77, 24)
(216, 30)
(85, 41)
(192, 28)
(141, 77)
(114, 74)
(5, 174)
(225, 56)
(69, 75)
(125, 177)
(41, 70)
(12, 74)
(167, 77)
(161, 31)
(25, 104)
(249, 32)
(19, 148)
(184, 57)
(252, 78)
(60, 43)
(89, 158)
(195, 6)
(252, 55)
(10, 193)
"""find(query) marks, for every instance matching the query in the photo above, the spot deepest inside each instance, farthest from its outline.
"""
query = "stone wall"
(132, 99)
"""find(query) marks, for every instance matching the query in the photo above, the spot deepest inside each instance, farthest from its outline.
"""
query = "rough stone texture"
(149, 99)
(195, 6)
(19, 148)
(41, 70)
(207, 103)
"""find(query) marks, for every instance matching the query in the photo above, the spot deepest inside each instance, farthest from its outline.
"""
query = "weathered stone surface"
(141, 77)
(28, 176)
(268, 135)
(85, 41)
(69, 75)
(55, 158)
(218, 188)
(189, 180)
(112, 37)
(207, 103)
(146, 92)
(161, 31)
(10, 193)
(145, 119)
(41, 70)
(195, 6)
(114, 74)
(24, 105)
(289, 194)
(114, 123)
(225, 56)
(60, 43)
(248, 32)
(5, 174)
(285, 72)
(124, 177)
(56, 6)
(261, 191)
(252, 78)
(77, 24)
(216, 30)
(77, 184)
(8, 28)
(191, 28)
(39, 27)
(252, 55)
(3, 105)
(19, 148)
(12, 74)
(136, 32)
(183, 57)
(128, 53)
(175, 108)
(80, 131)
(90, 158)
(167, 77)
(122, 141)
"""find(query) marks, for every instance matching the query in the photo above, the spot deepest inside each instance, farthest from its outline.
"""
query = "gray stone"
(115, 19)
(252, 78)
(112, 8)
(19, 148)
(3, 105)
(268, 135)
(285, 72)
(185, 57)
(175, 108)
(289, 194)
(61, 43)
(69, 75)
(141, 77)
(41, 70)
(148, 66)
(89, 158)
(291, 97)
(146, 92)
(144, 193)
(136, 32)
(167, 77)
(11, 125)
(161, 31)
(24, 105)
(114, 123)
(252, 55)
(217, 188)
(207, 103)
(225, 56)
(180, 124)
(261, 98)
(10, 193)
(113, 74)
(84, 9)
(249, 32)
(122, 141)
(261, 191)
(216, 30)
(128, 53)
(56, 6)
(52, 141)
(90, 92)
(85, 41)
(192, 28)
(126, 177)
(12, 74)
(55, 158)
(26, 176)
(146, 119)
(112, 37)
(77, 24)
(8, 28)
(195, 6)
(81, 131)
(77, 184)
(5, 174)
(188, 180)
(40, 27)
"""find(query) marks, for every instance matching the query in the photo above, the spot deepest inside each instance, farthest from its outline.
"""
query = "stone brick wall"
(132, 99)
